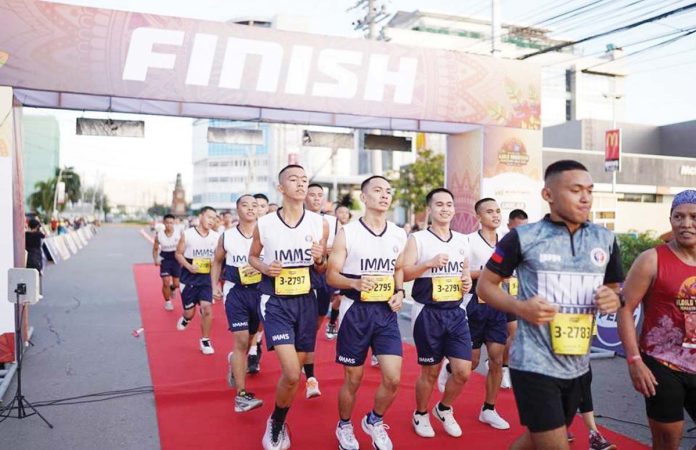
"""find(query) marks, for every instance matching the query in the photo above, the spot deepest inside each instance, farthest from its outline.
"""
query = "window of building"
(569, 110)
(641, 198)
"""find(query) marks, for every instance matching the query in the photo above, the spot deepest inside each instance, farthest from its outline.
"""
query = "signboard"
(612, 151)
(607, 336)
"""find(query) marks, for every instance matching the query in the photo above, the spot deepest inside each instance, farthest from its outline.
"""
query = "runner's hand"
(537, 310)
(317, 252)
(193, 268)
(217, 293)
(157, 263)
(467, 283)
(643, 379)
(438, 260)
(363, 284)
(274, 268)
(396, 301)
(249, 271)
(606, 300)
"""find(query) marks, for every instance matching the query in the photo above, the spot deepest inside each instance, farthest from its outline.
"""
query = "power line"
(615, 30)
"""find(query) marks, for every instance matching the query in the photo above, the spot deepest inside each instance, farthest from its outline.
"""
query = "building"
(40, 150)
(573, 87)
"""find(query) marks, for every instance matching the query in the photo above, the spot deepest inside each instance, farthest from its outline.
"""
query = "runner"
(261, 205)
(366, 264)
(662, 365)
(568, 269)
(227, 222)
(516, 218)
(314, 203)
(255, 347)
(437, 259)
(272, 207)
(241, 296)
(343, 216)
(195, 253)
(170, 270)
(293, 241)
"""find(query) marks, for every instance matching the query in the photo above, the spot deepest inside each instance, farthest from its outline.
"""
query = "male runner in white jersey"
(314, 202)
(241, 296)
(342, 214)
(227, 222)
(195, 253)
(437, 258)
(366, 263)
(255, 347)
(293, 241)
(164, 246)
(261, 205)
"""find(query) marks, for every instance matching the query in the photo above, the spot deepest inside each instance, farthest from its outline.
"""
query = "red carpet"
(195, 407)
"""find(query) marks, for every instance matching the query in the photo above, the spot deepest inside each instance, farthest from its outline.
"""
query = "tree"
(41, 200)
(157, 210)
(419, 178)
(73, 184)
(633, 244)
(96, 195)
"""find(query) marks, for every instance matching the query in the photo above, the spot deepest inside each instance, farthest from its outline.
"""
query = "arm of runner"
(336, 261)
(155, 251)
(216, 268)
(319, 249)
(179, 255)
(412, 270)
(270, 270)
(607, 296)
(467, 281)
(638, 281)
(397, 299)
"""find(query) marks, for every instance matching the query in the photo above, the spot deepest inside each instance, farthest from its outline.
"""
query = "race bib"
(294, 281)
(571, 333)
(203, 265)
(447, 289)
(382, 291)
(514, 286)
(249, 279)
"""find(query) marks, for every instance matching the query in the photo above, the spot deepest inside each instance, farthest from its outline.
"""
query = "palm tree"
(41, 200)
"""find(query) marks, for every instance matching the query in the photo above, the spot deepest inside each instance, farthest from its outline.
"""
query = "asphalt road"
(83, 345)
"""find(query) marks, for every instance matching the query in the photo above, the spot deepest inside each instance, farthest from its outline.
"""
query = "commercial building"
(40, 150)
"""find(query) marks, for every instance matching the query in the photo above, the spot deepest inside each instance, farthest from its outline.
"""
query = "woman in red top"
(663, 364)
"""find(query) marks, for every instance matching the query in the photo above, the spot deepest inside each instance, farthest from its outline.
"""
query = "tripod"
(20, 403)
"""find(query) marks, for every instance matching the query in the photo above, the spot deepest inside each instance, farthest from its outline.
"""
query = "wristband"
(396, 291)
(632, 360)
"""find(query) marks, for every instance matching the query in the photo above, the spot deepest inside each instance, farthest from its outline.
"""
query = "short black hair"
(260, 196)
(206, 208)
(364, 184)
(311, 185)
(432, 193)
(482, 201)
(168, 216)
(239, 199)
(341, 205)
(289, 166)
(563, 165)
(34, 224)
(518, 214)
(224, 213)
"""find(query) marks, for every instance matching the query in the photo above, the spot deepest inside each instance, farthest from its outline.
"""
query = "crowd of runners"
(529, 296)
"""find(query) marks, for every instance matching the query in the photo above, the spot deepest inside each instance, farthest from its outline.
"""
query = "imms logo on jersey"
(294, 256)
(346, 360)
(240, 324)
(549, 257)
(569, 289)
(598, 257)
(454, 267)
(280, 337)
(377, 265)
(238, 259)
(203, 252)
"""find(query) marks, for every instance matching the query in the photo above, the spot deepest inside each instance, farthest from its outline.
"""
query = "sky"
(659, 89)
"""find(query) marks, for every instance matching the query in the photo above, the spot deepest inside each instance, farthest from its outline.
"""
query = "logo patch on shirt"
(396, 249)
(598, 257)
(308, 238)
(497, 256)
(549, 257)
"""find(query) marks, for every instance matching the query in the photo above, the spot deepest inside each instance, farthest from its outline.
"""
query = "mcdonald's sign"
(612, 151)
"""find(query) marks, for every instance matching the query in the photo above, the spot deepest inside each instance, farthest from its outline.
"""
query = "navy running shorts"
(193, 295)
(290, 320)
(242, 309)
(170, 268)
(440, 332)
(366, 325)
(486, 324)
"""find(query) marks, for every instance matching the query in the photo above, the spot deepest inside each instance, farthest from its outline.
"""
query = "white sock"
(253, 350)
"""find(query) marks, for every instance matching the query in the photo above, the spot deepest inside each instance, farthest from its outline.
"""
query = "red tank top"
(669, 324)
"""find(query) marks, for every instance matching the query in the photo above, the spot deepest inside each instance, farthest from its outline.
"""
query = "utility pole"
(496, 28)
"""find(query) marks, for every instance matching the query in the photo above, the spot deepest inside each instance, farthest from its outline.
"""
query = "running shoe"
(182, 323)
(230, 373)
(506, 382)
(570, 436)
(312, 388)
(447, 418)
(168, 306)
(246, 402)
(443, 376)
(492, 418)
(346, 437)
(275, 437)
(331, 331)
(253, 365)
(207, 347)
(421, 425)
(378, 434)
(374, 362)
(597, 442)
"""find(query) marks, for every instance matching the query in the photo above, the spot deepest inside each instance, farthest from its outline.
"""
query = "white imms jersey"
(333, 229)
(292, 247)
(368, 253)
(168, 244)
(429, 246)
(481, 252)
(198, 246)
(236, 247)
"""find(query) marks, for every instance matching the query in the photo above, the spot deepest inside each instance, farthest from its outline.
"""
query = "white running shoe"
(246, 402)
(443, 376)
(492, 418)
(168, 305)
(230, 373)
(207, 347)
(312, 386)
(346, 437)
(182, 323)
(378, 434)
(447, 418)
(374, 362)
(421, 425)
(506, 382)
(282, 441)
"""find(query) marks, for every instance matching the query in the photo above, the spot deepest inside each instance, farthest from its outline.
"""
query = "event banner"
(463, 177)
(7, 149)
(60, 48)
